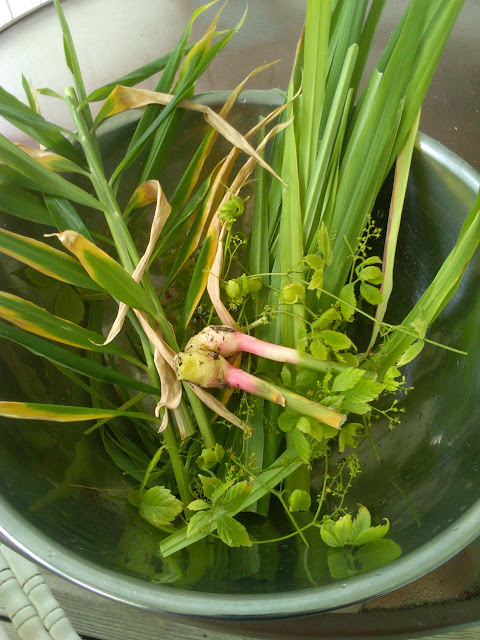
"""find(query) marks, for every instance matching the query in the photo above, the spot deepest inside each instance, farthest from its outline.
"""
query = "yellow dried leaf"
(125, 98)
(146, 192)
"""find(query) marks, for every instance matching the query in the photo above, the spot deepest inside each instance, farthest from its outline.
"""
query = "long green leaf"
(64, 358)
(187, 249)
(290, 238)
(315, 55)
(66, 216)
(258, 257)
(64, 413)
(30, 94)
(438, 293)
(368, 160)
(41, 256)
(199, 279)
(37, 320)
(133, 78)
(182, 91)
(168, 76)
(402, 171)
(366, 39)
(425, 64)
(347, 22)
(22, 204)
(36, 127)
(177, 222)
(163, 137)
(50, 181)
(17, 179)
(329, 136)
(120, 458)
(72, 62)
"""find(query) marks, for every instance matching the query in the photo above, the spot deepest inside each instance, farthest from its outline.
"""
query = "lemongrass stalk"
(254, 446)
(210, 370)
(228, 342)
(126, 248)
(311, 409)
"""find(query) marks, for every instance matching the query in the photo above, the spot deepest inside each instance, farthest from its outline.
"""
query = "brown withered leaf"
(147, 192)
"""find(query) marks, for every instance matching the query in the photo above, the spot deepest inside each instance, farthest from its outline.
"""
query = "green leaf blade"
(159, 506)
(51, 182)
(39, 321)
(63, 358)
(35, 126)
(232, 532)
(22, 204)
(61, 413)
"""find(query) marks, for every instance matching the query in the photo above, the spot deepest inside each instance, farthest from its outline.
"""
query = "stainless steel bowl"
(427, 482)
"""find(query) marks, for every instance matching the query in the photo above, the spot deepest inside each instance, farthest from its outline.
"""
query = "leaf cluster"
(221, 503)
(352, 531)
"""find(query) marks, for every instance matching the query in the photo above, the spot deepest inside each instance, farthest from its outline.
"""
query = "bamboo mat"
(96, 618)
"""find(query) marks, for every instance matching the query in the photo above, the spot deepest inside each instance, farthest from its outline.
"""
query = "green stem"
(151, 467)
(177, 465)
(203, 422)
(301, 478)
(120, 234)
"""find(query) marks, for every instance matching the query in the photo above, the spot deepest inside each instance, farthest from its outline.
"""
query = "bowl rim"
(37, 547)
(17, 532)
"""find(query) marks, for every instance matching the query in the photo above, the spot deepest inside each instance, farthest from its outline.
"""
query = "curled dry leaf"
(214, 226)
(213, 284)
(180, 423)
(145, 194)
(171, 388)
(223, 113)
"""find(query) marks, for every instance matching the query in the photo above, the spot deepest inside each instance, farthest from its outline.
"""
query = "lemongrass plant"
(281, 306)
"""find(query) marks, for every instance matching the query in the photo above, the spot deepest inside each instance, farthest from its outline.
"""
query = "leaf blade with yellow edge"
(63, 413)
(46, 259)
(106, 271)
(34, 319)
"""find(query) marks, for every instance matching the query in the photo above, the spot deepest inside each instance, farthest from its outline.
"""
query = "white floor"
(11, 9)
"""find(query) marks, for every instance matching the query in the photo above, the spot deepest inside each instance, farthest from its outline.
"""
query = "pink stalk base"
(210, 370)
(240, 379)
(227, 342)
